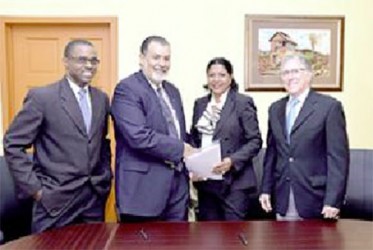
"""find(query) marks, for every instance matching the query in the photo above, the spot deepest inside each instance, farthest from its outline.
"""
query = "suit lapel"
(71, 106)
(225, 113)
(281, 116)
(155, 100)
(96, 111)
(305, 112)
(202, 104)
(176, 106)
(147, 87)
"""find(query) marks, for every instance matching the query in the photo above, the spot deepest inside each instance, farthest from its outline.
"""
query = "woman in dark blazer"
(229, 117)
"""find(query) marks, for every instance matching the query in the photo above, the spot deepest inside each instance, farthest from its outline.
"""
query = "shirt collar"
(75, 87)
(302, 97)
(154, 85)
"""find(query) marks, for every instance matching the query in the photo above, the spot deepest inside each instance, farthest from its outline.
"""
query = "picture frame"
(269, 37)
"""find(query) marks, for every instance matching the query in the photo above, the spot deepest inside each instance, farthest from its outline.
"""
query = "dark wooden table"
(345, 234)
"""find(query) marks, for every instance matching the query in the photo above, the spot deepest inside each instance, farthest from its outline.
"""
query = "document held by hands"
(202, 162)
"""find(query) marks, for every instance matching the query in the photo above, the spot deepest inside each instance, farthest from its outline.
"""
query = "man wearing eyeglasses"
(306, 162)
(69, 175)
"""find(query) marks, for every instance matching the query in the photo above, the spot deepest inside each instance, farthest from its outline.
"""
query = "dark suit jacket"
(65, 157)
(239, 135)
(144, 149)
(316, 161)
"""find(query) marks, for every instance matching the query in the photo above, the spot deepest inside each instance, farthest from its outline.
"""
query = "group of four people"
(69, 176)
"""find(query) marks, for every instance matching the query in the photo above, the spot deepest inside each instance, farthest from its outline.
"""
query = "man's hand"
(195, 177)
(265, 202)
(223, 166)
(37, 196)
(188, 150)
(330, 212)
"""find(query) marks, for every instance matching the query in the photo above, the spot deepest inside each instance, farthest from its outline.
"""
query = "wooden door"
(34, 52)
(37, 56)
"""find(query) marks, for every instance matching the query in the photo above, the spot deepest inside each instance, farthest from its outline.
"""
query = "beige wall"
(201, 29)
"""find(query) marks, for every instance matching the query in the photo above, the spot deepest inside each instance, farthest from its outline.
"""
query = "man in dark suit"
(307, 157)
(151, 180)
(69, 175)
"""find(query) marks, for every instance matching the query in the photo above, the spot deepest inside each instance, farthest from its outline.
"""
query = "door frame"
(6, 24)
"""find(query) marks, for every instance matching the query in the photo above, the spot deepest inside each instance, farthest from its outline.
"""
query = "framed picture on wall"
(269, 37)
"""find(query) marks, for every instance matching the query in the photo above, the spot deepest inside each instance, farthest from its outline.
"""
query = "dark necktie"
(166, 111)
(291, 116)
(84, 107)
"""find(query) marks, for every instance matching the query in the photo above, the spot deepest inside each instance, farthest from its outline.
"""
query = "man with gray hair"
(307, 158)
(151, 179)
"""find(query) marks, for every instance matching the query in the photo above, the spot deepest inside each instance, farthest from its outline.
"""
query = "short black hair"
(145, 44)
(70, 45)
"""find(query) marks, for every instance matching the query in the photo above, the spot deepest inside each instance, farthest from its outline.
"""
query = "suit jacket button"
(291, 159)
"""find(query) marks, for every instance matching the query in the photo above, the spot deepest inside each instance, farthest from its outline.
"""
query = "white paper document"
(202, 163)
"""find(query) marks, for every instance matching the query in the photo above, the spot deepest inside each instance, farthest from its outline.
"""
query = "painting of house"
(281, 43)
(274, 44)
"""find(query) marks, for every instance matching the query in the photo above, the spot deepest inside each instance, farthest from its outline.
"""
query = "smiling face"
(155, 61)
(295, 76)
(81, 64)
(218, 79)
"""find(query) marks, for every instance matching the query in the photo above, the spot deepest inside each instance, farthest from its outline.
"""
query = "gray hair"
(145, 44)
(301, 58)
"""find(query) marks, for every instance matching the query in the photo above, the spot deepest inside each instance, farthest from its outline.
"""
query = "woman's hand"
(222, 167)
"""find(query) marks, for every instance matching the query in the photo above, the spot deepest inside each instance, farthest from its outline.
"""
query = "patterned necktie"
(166, 111)
(291, 116)
(84, 107)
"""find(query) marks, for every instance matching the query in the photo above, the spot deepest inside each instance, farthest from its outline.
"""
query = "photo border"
(254, 81)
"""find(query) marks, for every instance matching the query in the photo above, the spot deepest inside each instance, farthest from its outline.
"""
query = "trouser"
(86, 207)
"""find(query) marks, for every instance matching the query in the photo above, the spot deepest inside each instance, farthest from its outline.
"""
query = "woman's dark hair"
(227, 65)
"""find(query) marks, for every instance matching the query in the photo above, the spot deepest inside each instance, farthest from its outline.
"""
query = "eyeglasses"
(291, 71)
(83, 60)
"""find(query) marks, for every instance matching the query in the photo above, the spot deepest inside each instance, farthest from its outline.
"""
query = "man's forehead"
(81, 49)
(158, 45)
